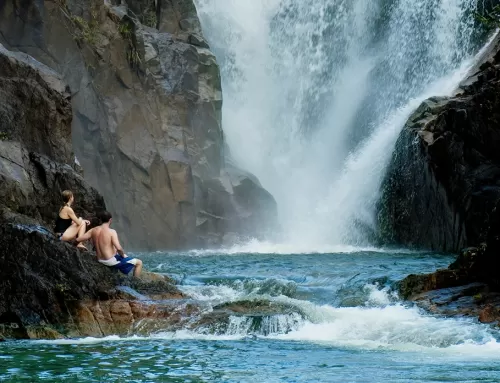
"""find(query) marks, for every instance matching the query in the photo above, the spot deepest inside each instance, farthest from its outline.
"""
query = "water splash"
(316, 93)
(372, 327)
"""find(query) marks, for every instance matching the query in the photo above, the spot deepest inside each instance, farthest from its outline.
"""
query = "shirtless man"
(108, 248)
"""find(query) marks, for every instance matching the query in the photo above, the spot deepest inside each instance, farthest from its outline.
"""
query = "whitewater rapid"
(380, 325)
(342, 301)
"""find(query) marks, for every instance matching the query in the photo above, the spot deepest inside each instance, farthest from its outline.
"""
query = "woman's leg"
(73, 232)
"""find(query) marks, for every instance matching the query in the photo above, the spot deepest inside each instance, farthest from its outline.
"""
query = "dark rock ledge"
(49, 289)
(442, 192)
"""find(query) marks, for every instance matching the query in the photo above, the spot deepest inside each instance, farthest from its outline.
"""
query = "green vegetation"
(125, 30)
(149, 18)
(133, 57)
(490, 19)
(4, 136)
(147, 13)
(87, 30)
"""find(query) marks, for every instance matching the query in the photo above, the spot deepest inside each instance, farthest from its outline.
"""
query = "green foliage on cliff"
(87, 30)
(125, 30)
(149, 18)
(490, 19)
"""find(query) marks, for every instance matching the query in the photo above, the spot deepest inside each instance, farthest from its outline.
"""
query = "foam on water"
(392, 328)
(378, 325)
(255, 246)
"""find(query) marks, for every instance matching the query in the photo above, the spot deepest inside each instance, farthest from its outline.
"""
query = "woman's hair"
(66, 195)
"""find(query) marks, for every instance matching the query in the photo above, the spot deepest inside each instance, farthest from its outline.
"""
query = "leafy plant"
(149, 18)
(490, 19)
(87, 30)
(133, 57)
(125, 30)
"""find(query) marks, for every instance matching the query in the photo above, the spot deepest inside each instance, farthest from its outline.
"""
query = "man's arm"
(116, 243)
(85, 237)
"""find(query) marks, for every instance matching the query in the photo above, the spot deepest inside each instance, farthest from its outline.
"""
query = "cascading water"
(316, 93)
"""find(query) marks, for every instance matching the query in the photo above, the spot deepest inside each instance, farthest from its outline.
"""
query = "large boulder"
(147, 105)
(442, 190)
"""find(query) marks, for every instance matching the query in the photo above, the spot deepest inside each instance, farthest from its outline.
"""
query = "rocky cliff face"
(48, 288)
(36, 158)
(442, 191)
(146, 100)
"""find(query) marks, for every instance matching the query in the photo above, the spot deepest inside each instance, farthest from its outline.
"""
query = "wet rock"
(421, 283)
(256, 308)
(54, 291)
(489, 314)
(442, 191)
(251, 316)
(472, 300)
(43, 276)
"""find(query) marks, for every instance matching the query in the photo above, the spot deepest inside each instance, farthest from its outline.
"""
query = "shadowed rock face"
(442, 190)
(36, 158)
(147, 117)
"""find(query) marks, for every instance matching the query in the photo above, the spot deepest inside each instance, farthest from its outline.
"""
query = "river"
(344, 323)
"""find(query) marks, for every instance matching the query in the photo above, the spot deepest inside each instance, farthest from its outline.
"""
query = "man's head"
(105, 217)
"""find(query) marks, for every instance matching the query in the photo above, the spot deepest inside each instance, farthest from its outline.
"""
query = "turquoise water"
(347, 325)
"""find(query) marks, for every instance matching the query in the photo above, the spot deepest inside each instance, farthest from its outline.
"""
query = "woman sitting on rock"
(68, 226)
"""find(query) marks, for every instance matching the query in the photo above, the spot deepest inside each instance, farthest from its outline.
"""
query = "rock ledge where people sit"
(55, 290)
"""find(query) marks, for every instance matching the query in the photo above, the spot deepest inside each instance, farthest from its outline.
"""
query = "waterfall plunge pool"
(349, 326)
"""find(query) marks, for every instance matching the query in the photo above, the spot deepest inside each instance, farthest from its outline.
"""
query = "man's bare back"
(106, 242)
(108, 248)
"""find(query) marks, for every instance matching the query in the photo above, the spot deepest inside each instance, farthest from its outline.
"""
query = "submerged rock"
(249, 317)
(256, 308)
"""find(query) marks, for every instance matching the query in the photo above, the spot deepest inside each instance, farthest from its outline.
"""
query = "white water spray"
(316, 93)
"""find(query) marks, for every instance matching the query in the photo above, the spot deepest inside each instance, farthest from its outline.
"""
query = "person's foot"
(82, 247)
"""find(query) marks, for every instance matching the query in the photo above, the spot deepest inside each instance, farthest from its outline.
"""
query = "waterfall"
(317, 91)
